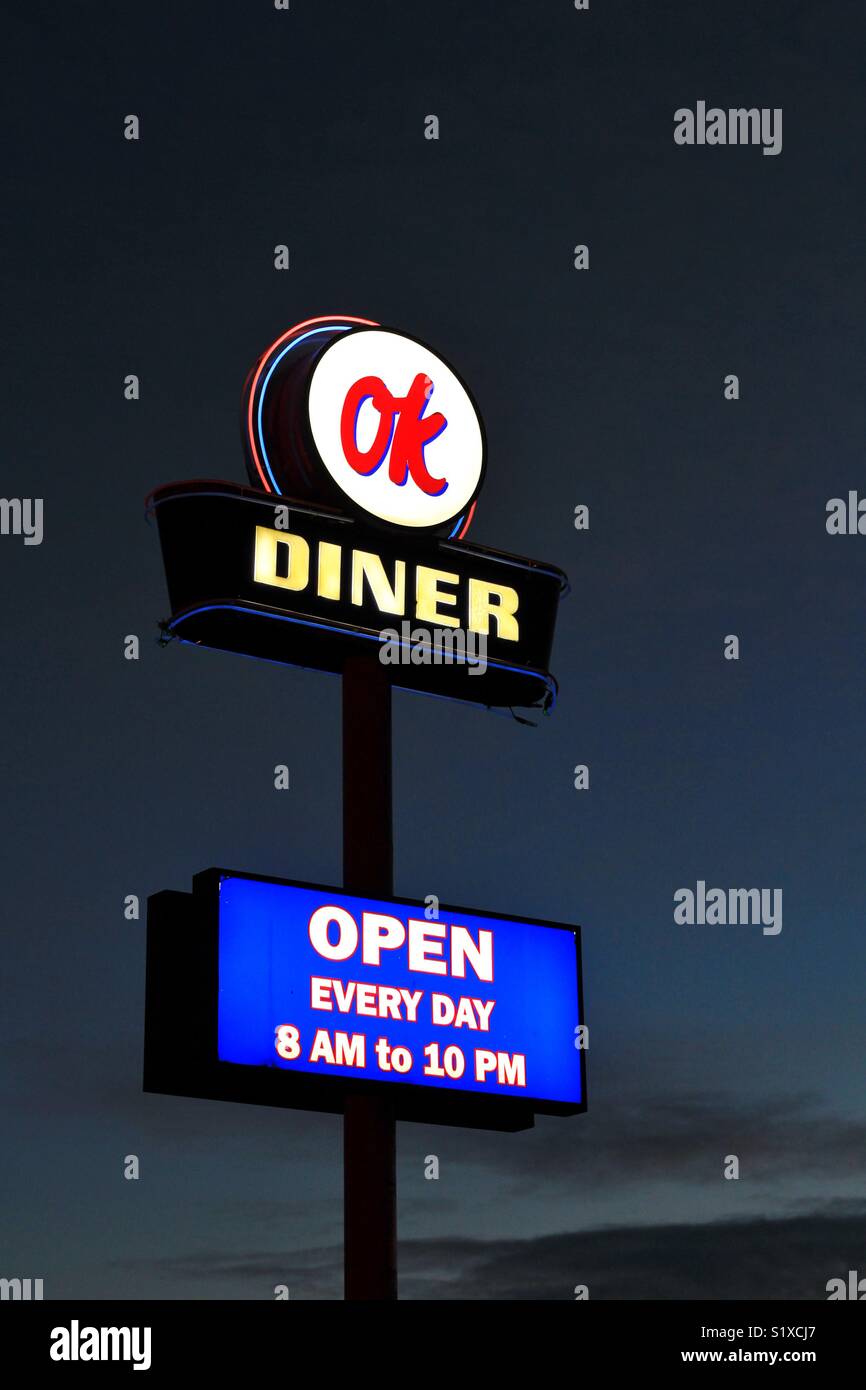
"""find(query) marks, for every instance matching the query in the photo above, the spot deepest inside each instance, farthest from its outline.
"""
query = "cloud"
(315, 1273)
(680, 1138)
(790, 1259)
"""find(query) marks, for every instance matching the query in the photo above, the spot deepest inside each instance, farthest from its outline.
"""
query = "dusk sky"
(603, 387)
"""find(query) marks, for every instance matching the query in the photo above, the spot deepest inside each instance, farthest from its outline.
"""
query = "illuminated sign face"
(309, 990)
(396, 429)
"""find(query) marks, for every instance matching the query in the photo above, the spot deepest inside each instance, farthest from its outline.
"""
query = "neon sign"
(366, 454)
(344, 412)
(367, 401)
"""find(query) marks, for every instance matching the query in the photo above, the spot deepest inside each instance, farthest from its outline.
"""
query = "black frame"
(181, 1020)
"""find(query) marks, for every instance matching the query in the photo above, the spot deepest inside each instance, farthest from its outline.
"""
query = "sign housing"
(290, 994)
(325, 585)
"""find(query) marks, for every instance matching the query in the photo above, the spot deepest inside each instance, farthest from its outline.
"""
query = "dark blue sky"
(603, 388)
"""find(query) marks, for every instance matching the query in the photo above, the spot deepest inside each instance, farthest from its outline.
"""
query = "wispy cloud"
(789, 1259)
(675, 1138)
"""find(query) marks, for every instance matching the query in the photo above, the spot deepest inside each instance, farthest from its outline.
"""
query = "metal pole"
(369, 1130)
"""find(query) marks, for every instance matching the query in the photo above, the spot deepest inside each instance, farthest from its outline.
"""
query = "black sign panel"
(306, 586)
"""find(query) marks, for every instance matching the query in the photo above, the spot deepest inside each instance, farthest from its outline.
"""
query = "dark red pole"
(369, 1130)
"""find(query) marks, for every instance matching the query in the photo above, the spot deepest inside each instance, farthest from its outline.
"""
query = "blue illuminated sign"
(333, 985)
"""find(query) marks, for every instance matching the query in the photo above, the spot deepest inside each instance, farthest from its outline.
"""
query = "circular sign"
(396, 429)
(341, 411)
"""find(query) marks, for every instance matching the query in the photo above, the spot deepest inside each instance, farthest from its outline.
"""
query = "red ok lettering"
(402, 425)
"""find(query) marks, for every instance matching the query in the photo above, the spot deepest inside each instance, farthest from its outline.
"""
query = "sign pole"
(369, 1128)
